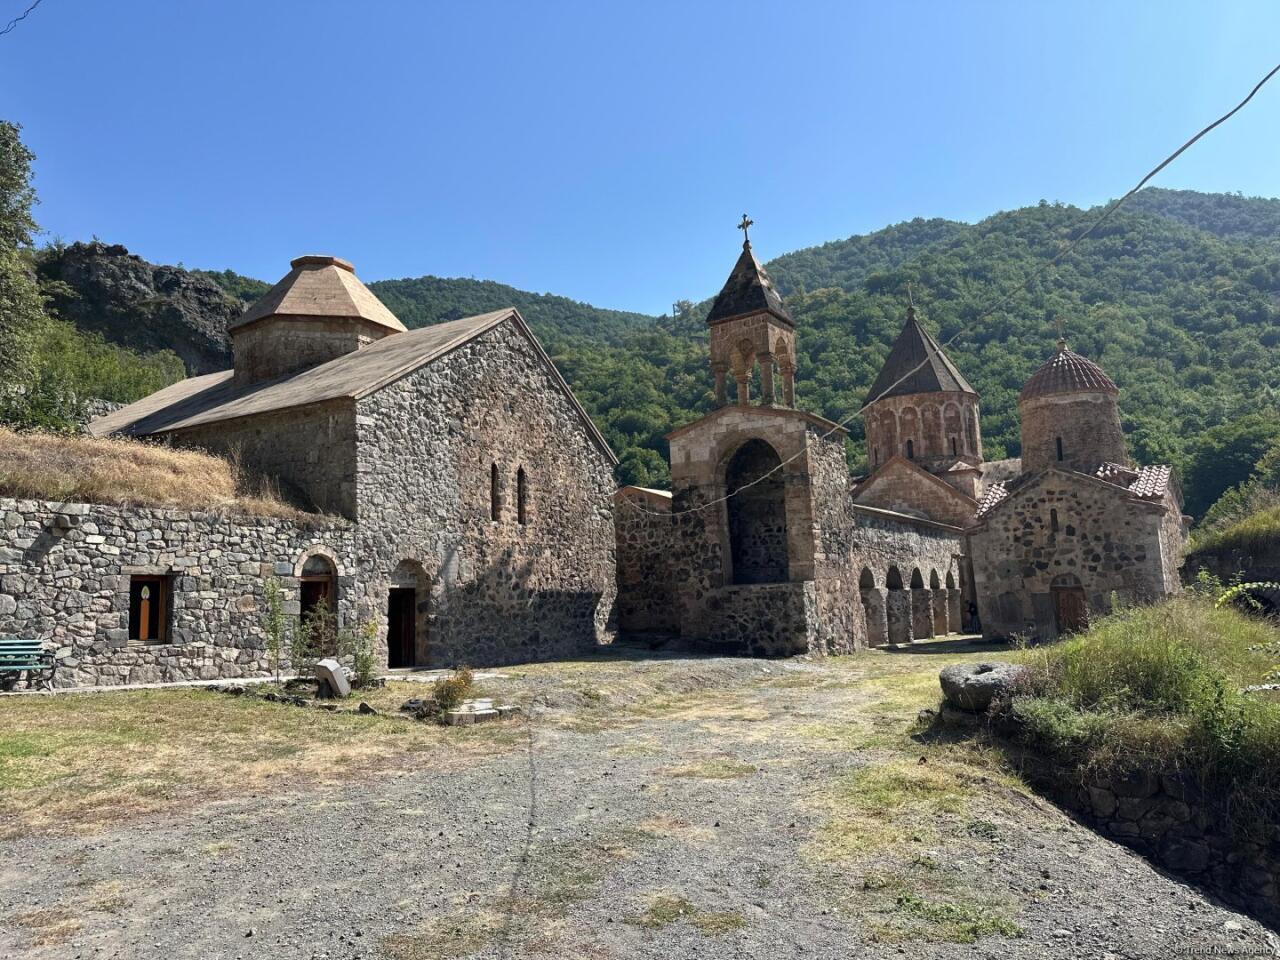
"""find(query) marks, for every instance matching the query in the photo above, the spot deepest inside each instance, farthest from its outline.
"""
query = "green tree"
(21, 306)
(1224, 457)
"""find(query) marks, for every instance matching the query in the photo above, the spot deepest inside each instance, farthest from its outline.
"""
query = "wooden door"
(1071, 609)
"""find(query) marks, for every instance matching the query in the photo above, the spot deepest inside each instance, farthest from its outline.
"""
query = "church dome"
(1067, 372)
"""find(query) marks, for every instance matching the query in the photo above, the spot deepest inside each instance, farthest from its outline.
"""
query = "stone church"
(463, 497)
(766, 543)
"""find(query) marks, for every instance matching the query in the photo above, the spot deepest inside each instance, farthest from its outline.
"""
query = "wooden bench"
(18, 657)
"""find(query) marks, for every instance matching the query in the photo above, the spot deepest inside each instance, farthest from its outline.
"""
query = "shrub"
(273, 623)
(449, 692)
(359, 644)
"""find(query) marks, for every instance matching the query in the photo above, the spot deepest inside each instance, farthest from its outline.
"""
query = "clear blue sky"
(605, 150)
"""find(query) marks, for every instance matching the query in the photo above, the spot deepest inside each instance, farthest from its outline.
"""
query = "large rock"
(972, 686)
(330, 673)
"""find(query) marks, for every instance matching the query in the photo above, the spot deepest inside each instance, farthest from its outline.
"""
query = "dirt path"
(752, 810)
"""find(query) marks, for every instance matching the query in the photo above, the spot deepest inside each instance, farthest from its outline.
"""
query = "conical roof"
(321, 286)
(748, 290)
(1067, 372)
(916, 364)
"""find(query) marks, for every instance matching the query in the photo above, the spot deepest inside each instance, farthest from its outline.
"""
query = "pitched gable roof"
(748, 290)
(916, 364)
(319, 286)
(215, 397)
(892, 471)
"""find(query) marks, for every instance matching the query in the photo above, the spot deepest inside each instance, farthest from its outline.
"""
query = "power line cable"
(18, 19)
(1013, 291)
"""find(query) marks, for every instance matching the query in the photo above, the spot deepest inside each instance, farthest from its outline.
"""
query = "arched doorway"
(873, 609)
(406, 608)
(757, 515)
(1070, 607)
(897, 608)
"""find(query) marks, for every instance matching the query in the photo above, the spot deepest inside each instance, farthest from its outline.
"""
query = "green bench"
(18, 657)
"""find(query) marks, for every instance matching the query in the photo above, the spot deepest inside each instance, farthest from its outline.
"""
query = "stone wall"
(1087, 423)
(279, 345)
(65, 571)
(931, 421)
(310, 451)
(1168, 817)
(1105, 539)
(646, 594)
(493, 591)
(904, 488)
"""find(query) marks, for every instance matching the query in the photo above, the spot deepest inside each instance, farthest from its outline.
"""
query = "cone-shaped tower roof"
(916, 364)
(748, 290)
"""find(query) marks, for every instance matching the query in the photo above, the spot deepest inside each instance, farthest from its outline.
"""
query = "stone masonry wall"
(311, 451)
(490, 591)
(1089, 425)
(64, 579)
(646, 595)
(1105, 539)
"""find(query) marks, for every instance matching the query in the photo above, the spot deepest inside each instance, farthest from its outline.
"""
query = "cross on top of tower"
(1062, 339)
(746, 222)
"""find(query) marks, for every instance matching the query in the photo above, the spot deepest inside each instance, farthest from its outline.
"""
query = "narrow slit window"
(495, 500)
(149, 609)
(911, 450)
(1059, 448)
(1053, 520)
(876, 457)
(953, 446)
(522, 497)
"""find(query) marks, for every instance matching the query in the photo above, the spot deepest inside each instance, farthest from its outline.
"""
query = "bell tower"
(751, 328)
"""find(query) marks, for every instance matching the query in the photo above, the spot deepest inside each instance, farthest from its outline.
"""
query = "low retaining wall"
(1168, 818)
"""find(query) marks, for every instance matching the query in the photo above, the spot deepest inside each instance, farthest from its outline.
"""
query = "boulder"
(972, 686)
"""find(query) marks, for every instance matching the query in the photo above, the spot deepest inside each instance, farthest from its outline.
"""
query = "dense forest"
(1177, 296)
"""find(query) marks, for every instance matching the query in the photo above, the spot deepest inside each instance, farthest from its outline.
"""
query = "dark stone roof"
(919, 363)
(748, 290)
(1067, 372)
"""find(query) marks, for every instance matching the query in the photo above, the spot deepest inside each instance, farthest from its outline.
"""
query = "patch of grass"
(951, 922)
(717, 768)
(444, 938)
(1157, 687)
(47, 927)
(47, 466)
(665, 910)
(77, 761)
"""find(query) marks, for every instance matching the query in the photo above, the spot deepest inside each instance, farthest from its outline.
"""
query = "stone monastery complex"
(470, 511)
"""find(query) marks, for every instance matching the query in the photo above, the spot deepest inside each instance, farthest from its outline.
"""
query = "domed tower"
(922, 407)
(1070, 416)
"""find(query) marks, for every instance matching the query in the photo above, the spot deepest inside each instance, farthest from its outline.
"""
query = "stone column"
(744, 389)
(940, 625)
(766, 378)
(955, 609)
(921, 614)
(898, 616)
(873, 608)
(720, 371)
(788, 383)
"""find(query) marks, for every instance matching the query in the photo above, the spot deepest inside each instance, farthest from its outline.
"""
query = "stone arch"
(757, 514)
(317, 572)
(970, 431)
(934, 581)
(897, 608)
(921, 607)
(408, 603)
(873, 608)
(888, 432)
(953, 429)
(938, 605)
(931, 430)
(951, 580)
(955, 609)
(909, 429)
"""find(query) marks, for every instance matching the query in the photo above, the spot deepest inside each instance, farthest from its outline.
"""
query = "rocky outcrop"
(106, 289)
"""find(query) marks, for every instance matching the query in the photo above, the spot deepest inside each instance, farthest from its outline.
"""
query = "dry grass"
(45, 466)
(75, 762)
(48, 927)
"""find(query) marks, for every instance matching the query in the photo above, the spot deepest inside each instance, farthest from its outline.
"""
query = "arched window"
(522, 497)
(757, 515)
(911, 450)
(1059, 448)
(495, 498)
(318, 587)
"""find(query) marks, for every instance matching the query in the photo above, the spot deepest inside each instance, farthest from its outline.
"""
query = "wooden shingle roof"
(320, 286)
(748, 290)
(916, 364)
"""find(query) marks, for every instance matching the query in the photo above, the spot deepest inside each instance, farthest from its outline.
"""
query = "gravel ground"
(674, 809)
